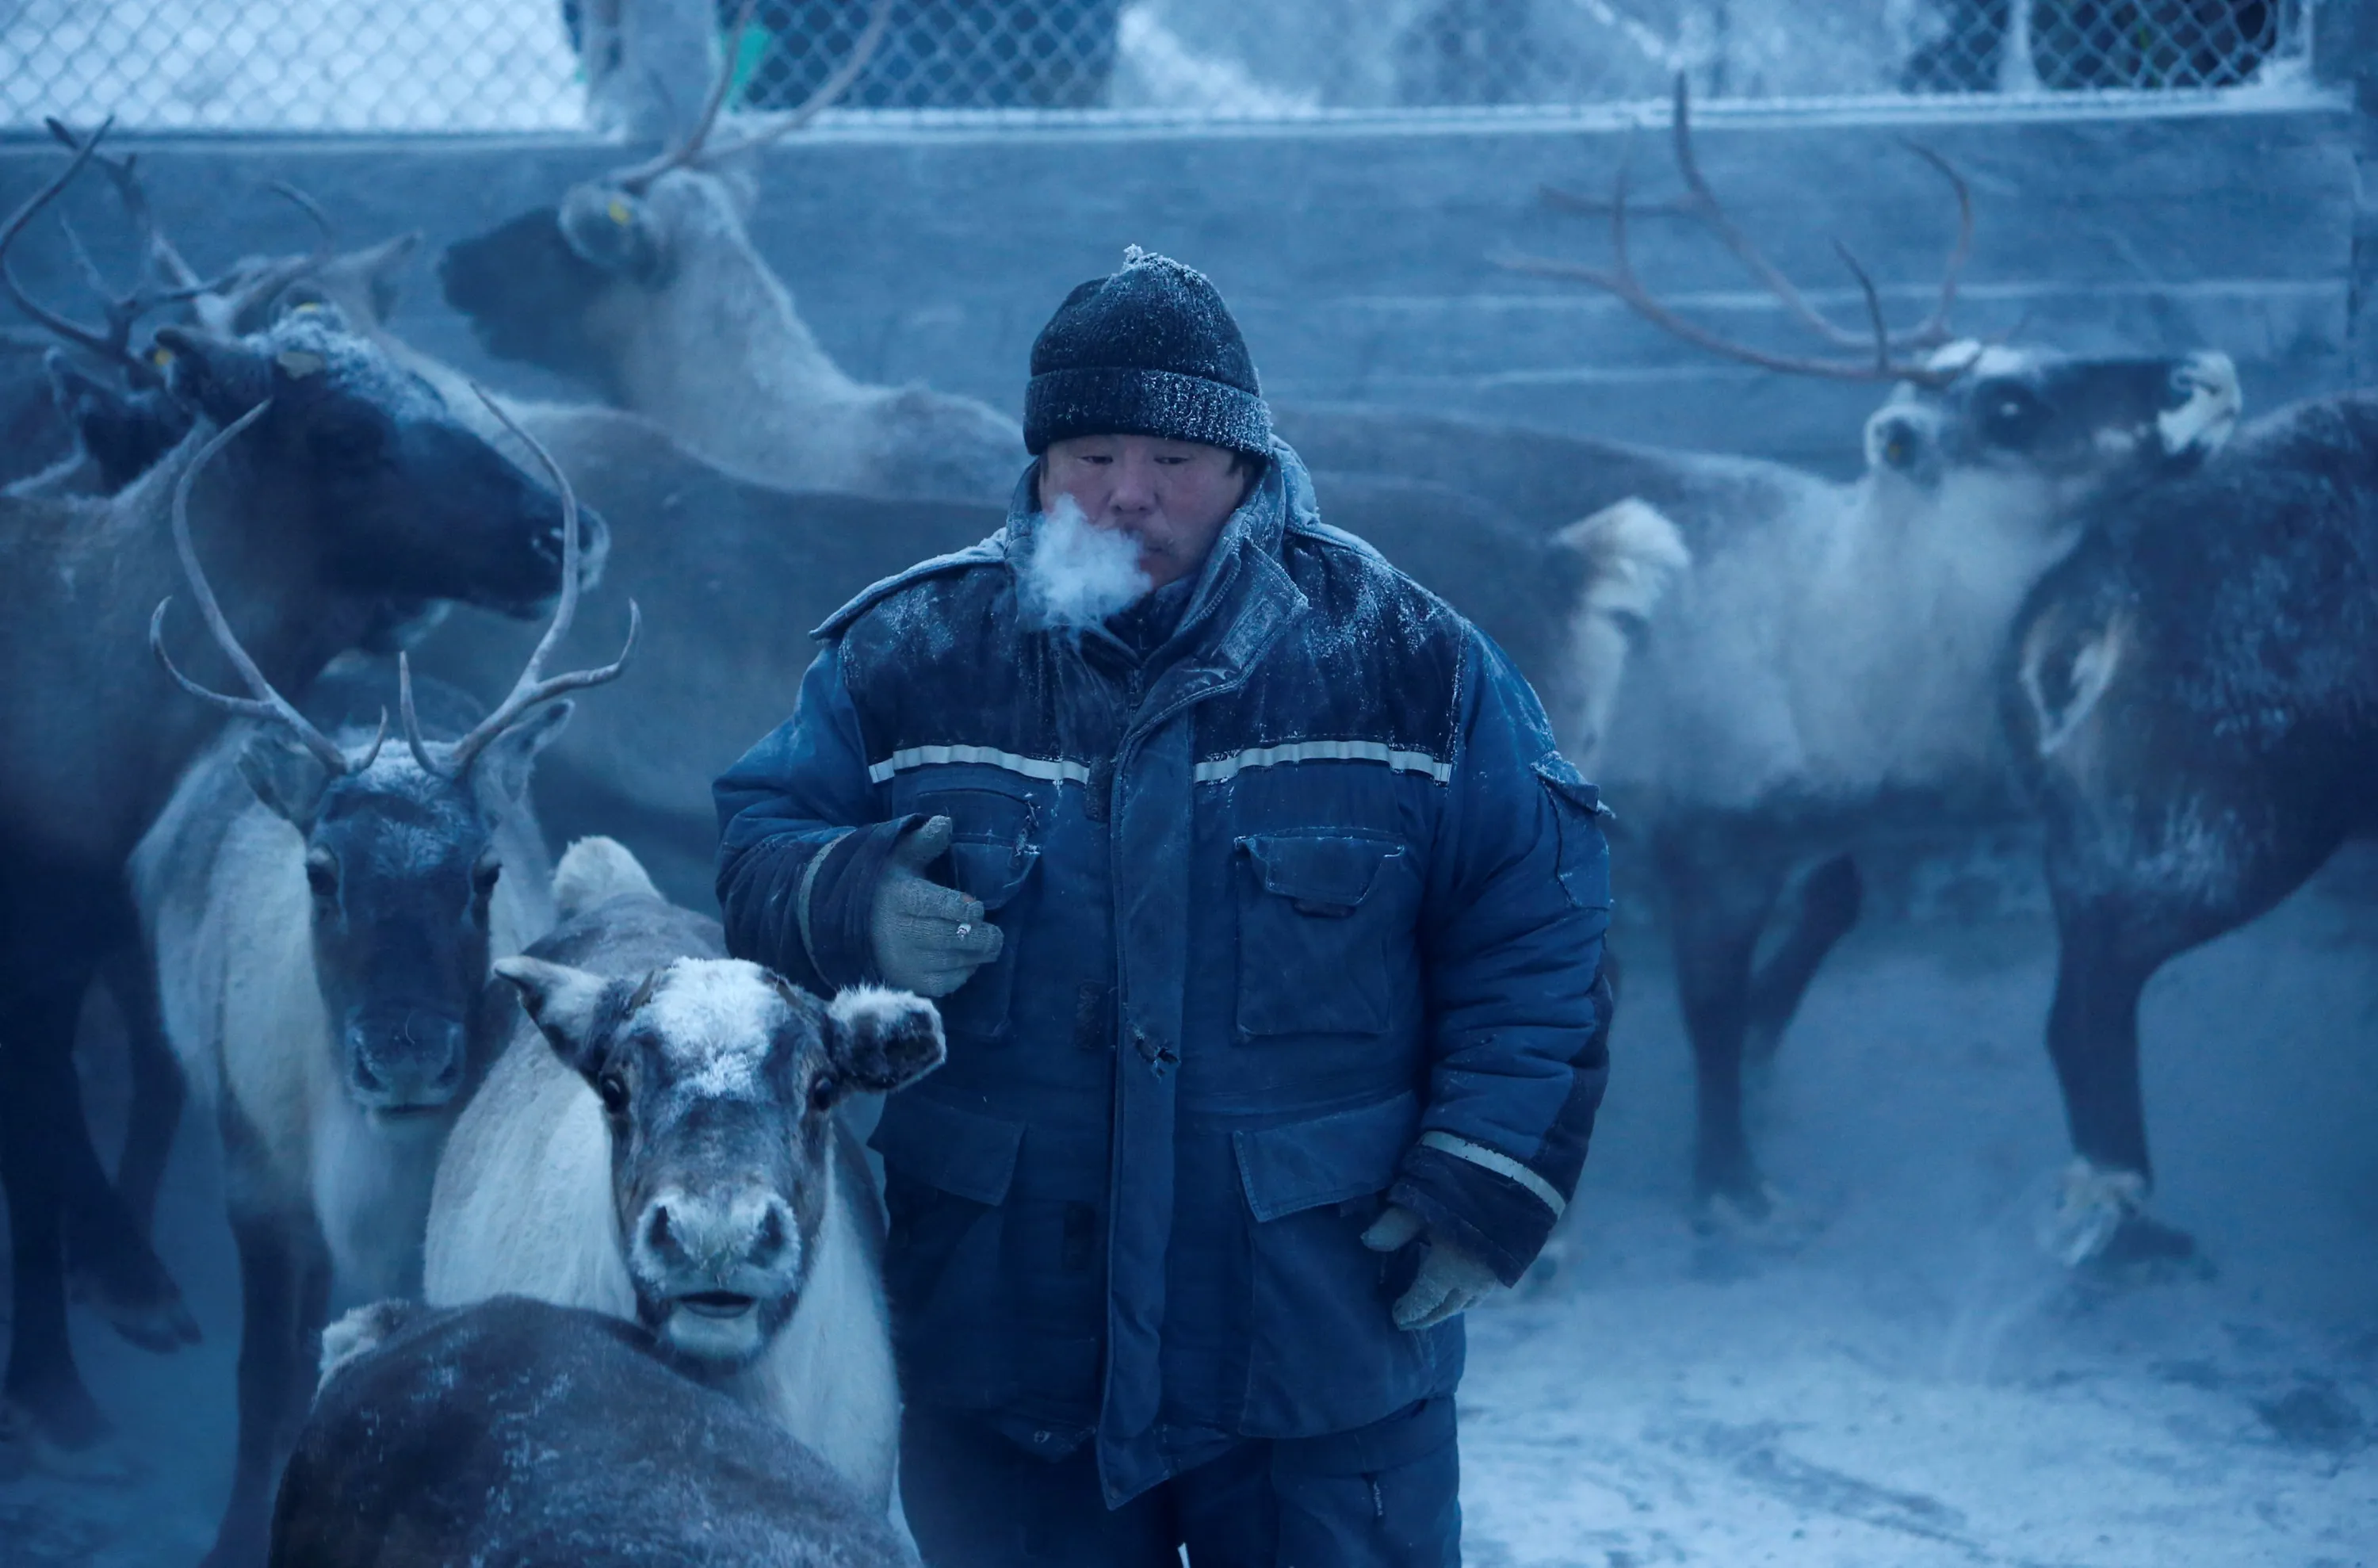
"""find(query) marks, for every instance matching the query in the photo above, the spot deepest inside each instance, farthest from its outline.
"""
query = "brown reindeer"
(350, 486)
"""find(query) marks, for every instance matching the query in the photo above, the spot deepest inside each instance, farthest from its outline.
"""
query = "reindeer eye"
(823, 1092)
(484, 878)
(613, 1089)
(322, 873)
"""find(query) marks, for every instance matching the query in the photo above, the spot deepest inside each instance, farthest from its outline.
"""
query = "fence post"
(2345, 53)
(649, 63)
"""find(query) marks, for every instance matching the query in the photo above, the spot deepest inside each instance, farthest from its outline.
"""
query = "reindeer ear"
(220, 378)
(574, 1009)
(881, 1039)
(122, 432)
(285, 776)
(503, 768)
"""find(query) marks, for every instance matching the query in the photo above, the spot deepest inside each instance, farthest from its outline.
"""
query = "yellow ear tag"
(307, 308)
(161, 356)
(299, 364)
(619, 213)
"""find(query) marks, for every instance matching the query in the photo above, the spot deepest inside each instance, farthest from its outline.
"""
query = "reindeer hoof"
(134, 1295)
(72, 1441)
(1757, 1217)
(2100, 1224)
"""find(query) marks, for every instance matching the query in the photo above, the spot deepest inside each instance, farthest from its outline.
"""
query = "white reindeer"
(669, 1154)
(615, 283)
(323, 909)
(1805, 656)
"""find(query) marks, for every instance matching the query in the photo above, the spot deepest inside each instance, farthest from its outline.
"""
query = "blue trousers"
(1381, 1496)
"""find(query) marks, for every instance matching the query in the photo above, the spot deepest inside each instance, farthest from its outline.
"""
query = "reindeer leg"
(2121, 914)
(1825, 909)
(2093, 1038)
(158, 1092)
(284, 1277)
(1718, 902)
(47, 1407)
(110, 1266)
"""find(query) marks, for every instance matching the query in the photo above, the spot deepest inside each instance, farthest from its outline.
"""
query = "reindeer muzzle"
(403, 1062)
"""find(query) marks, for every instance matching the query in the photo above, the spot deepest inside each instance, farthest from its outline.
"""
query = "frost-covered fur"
(2193, 698)
(525, 1201)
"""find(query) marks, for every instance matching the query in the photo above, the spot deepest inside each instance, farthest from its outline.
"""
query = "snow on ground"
(1912, 1385)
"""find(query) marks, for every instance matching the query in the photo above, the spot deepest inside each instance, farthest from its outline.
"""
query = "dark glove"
(1449, 1281)
(928, 938)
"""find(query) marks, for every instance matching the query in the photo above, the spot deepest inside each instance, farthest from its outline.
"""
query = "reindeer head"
(2074, 424)
(404, 500)
(551, 286)
(2024, 433)
(403, 866)
(401, 850)
(718, 1080)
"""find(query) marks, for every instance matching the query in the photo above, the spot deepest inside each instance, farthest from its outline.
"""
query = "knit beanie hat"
(1149, 351)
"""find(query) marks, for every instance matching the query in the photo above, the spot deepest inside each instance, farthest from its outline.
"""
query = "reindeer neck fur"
(88, 572)
(828, 1372)
(720, 357)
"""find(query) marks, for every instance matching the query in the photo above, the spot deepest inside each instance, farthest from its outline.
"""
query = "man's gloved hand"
(928, 938)
(1450, 1280)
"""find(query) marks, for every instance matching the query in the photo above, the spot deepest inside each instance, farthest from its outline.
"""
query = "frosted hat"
(1148, 350)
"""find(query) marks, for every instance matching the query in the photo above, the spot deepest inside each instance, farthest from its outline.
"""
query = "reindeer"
(2193, 700)
(323, 911)
(350, 486)
(612, 284)
(673, 1158)
(1809, 659)
(537, 1436)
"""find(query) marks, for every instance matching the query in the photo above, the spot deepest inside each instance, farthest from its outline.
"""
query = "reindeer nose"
(710, 1236)
(402, 1058)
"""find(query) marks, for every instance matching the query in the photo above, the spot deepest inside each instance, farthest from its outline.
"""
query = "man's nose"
(1135, 485)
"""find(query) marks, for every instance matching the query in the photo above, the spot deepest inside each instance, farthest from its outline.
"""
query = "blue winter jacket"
(1304, 914)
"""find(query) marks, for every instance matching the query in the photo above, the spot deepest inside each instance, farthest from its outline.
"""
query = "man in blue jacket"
(1267, 927)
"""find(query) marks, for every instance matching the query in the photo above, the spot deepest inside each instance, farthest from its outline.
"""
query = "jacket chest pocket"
(995, 875)
(1316, 919)
(993, 851)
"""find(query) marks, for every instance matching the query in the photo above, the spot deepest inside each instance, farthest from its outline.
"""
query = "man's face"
(1171, 498)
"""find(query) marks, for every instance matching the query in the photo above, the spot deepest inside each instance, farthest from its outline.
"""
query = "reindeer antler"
(217, 301)
(533, 688)
(266, 703)
(1886, 354)
(695, 149)
(114, 342)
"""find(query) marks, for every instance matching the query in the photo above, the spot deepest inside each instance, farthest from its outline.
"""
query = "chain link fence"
(512, 65)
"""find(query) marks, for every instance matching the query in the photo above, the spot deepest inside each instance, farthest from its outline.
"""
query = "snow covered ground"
(1911, 1385)
(1914, 1384)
